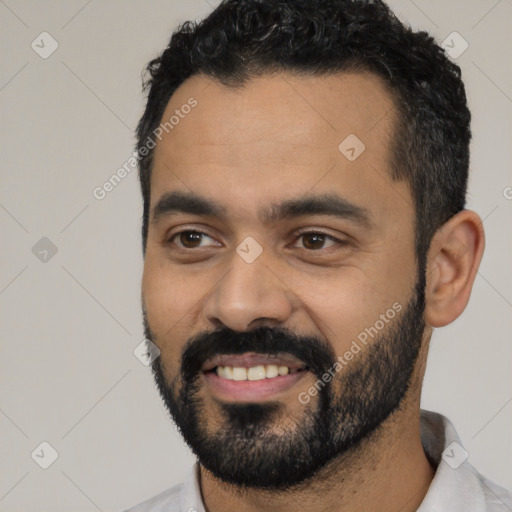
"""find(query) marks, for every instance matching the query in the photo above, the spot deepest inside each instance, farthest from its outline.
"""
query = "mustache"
(314, 352)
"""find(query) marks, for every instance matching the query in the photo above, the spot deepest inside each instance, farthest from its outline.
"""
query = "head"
(303, 169)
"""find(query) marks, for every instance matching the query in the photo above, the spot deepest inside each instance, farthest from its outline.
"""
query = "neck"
(387, 472)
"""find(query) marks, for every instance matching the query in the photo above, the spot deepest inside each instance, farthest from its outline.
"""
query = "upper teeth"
(254, 372)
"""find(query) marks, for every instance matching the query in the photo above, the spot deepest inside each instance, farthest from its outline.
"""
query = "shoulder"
(166, 501)
(497, 498)
(185, 496)
(457, 485)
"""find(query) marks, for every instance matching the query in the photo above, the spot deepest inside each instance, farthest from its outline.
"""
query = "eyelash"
(299, 235)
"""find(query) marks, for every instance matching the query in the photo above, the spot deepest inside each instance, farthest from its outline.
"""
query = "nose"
(249, 295)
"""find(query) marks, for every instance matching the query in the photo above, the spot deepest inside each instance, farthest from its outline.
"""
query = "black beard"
(246, 451)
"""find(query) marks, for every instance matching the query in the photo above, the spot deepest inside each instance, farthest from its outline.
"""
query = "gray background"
(70, 322)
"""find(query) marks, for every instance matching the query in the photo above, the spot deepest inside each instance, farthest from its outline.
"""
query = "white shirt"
(456, 487)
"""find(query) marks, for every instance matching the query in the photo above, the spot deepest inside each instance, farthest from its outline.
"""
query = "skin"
(274, 139)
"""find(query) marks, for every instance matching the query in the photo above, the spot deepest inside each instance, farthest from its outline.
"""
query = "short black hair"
(243, 39)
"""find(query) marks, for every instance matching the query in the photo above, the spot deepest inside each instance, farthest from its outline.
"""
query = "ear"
(453, 260)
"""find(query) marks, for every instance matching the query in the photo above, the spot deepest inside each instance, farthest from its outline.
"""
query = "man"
(303, 168)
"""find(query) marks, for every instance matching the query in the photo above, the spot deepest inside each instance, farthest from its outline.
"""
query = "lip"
(249, 359)
(251, 390)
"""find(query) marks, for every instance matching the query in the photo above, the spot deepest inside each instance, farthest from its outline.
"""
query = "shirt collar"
(456, 486)
(191, 500)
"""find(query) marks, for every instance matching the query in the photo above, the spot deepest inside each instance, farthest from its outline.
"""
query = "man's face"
(274, 277)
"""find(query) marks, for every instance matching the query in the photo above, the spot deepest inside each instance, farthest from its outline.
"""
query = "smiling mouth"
(252, 377)
(253, 373)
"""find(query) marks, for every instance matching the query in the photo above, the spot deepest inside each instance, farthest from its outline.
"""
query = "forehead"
(282, 107)
(277, 135)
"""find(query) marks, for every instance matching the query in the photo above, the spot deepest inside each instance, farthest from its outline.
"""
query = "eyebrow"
(325, 204)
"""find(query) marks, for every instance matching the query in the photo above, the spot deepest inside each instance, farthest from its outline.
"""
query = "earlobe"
(453, 260)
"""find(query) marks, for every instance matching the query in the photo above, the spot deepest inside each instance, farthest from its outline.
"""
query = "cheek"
(168, 299)
(352, 302)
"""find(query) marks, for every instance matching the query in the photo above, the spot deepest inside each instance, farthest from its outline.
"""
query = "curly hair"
(242, 39)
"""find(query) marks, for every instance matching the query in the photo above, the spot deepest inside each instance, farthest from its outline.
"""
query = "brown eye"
(189, 239)
(315, 240)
